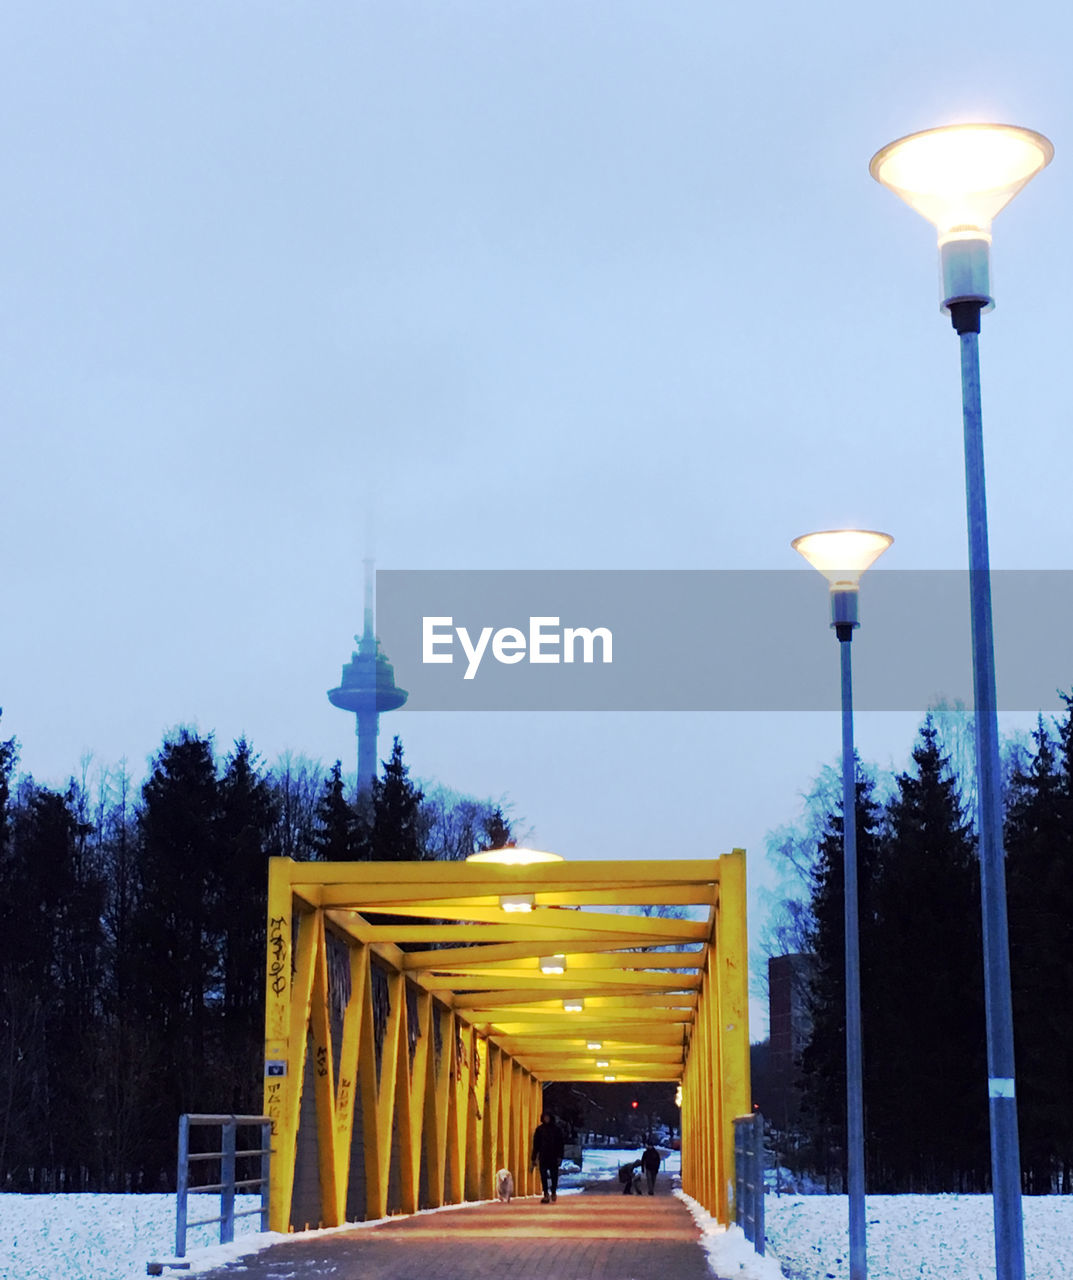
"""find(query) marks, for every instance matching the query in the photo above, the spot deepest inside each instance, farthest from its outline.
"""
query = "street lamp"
(842, 555)
(511, 856)
(959, 178)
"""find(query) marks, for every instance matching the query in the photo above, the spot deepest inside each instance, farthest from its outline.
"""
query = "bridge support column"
(715, 1082)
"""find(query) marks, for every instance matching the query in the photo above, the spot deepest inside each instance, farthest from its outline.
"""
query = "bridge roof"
(486, 939)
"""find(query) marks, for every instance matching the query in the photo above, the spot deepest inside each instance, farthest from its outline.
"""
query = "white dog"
(504, 1185)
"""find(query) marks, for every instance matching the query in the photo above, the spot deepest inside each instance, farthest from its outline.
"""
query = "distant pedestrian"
(650, 1163)
(547, 1154)
(630, 1179)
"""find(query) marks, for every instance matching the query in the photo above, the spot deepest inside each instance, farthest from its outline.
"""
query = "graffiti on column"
(277, 948)
(274, 1103)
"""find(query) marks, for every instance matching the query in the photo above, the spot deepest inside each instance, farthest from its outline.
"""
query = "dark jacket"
(651, 1160)
(547, 1145)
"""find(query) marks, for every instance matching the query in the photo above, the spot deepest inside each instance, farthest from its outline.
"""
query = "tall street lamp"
(842, 555)
(959, 178)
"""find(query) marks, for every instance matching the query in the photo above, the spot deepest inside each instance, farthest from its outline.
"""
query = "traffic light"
(633, 1104)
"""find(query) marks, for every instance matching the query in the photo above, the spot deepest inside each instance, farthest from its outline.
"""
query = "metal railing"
(229, 1155)
(749, 1177)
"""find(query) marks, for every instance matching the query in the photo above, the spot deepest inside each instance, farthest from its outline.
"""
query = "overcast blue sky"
(549, 284)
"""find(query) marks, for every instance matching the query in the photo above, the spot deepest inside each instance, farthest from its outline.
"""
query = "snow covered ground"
(103, 1237)
(106, 1237)
(916, 1237)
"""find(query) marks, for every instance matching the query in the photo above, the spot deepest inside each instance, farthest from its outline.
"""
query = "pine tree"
(397, 827)
(1061, 1012)
(247, 827)
(337, 836)
(925, 1074)
(1039, 870)
(50, 919)
(178, 927)
(497, 830)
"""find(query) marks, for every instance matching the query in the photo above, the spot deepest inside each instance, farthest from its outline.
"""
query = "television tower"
(367, 688)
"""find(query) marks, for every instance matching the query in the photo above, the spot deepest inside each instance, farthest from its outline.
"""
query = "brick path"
(582, 1237)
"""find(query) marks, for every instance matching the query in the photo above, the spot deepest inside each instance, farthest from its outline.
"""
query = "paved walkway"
(582, 1237)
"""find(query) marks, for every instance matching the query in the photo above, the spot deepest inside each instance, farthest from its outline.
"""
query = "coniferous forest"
(132, 920)
(922, 990)
(132, 926)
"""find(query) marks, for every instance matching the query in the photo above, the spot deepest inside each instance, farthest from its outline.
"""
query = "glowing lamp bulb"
(959, 177)
(512, 857)
(842, 555)
(517, 901)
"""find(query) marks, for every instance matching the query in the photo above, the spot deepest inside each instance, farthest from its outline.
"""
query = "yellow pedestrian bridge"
(414, 1010)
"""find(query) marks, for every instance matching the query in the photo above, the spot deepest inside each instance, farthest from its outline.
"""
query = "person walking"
(650, 1163)
(547, 1154)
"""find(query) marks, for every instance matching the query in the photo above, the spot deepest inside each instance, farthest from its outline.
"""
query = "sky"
(535, 284)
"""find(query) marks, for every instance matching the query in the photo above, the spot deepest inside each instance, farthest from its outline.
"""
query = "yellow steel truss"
(477, 1017)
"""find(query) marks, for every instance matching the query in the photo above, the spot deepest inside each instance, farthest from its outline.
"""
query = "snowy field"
(111, 1237)
(916, 1237)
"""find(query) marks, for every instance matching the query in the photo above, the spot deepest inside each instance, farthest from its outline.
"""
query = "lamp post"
(842, 556)
(959, 178)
